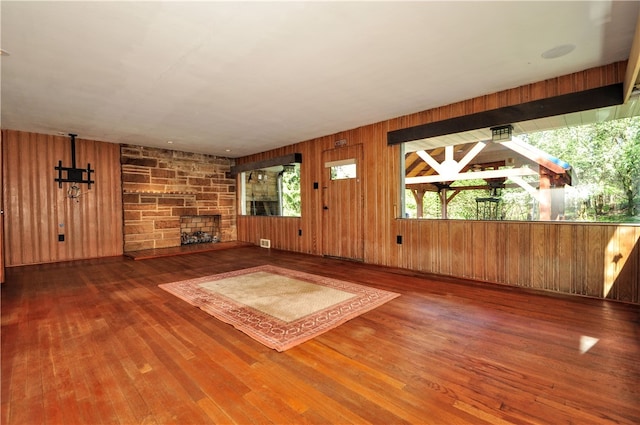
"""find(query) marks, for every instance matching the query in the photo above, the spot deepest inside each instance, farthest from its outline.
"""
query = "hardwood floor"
(98, 342)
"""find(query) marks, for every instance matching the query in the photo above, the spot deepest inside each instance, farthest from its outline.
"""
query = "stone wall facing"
(160, 185)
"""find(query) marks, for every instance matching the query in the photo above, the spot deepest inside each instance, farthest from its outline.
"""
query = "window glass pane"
(343, 169)
(587, 173)
(273, 191)
(343, 172)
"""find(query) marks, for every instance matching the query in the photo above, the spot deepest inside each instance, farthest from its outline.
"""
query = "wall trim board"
(266, 163)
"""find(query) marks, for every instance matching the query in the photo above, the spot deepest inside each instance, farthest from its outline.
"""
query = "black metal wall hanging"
(73, 174)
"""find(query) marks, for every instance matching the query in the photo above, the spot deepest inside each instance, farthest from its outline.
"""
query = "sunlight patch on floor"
(587, 343)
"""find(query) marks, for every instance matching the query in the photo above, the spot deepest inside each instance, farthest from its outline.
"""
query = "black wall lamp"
(502, 133)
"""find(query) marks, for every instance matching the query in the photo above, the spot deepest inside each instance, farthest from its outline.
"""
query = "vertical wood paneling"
(544, 256)
(428, 241)
(478, 245)
(37, 211)
(595, 261)
(282, 231)
(445, 264)
(381, 195)
(458, 255)
(621, 263)
(539, 259)
(2, 209)
(579, 254)
(493, 265)
(512, 254)
(565, 258)
(525, 254)
(612, 255)
(560, 257)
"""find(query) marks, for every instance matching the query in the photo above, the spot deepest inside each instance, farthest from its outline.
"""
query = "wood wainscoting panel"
(444, 265)
(494, 235)
(540, 255)
(281, 231)
(565, 269)
(595, 260)
(37, 211)
(459, 247)
(595, 243)
(623, 260)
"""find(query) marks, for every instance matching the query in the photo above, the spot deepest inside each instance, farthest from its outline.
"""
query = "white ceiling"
(250, 77)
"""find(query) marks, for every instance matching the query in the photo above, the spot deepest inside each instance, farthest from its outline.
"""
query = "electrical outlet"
(265, 243)
(60, 238)
(399, 239)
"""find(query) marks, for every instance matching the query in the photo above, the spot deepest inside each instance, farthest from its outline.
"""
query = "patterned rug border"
(271, 331)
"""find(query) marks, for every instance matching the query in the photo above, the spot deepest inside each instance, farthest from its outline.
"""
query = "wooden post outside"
(545, 194)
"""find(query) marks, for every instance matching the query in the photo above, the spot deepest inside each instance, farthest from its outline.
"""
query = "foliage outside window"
(272, 191)
(588, 173)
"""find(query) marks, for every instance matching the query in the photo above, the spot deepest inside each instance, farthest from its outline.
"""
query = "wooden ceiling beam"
(595, 98)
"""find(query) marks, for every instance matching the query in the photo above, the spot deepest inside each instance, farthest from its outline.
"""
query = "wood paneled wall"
(1, 212)
(597, 260)
(37, 211)
(561, 257)
(282, 231)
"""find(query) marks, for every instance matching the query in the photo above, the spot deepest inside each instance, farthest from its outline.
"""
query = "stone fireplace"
(161, 188)
(199, 229)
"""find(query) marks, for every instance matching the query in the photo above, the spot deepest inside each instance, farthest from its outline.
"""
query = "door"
(1, 214)
(342, 203)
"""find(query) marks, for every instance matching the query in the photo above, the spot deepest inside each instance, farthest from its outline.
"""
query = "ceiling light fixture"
(558, 51)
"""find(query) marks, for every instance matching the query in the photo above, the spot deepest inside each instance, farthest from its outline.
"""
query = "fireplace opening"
(199, 229)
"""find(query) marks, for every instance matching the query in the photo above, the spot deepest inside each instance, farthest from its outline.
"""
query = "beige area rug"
(278, 307)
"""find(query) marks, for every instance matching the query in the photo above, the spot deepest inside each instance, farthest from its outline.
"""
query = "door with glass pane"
(1, 217)
(342, 234)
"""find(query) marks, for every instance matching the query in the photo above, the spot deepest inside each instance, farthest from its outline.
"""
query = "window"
(273, 191)
(343, 169)
(584, 173)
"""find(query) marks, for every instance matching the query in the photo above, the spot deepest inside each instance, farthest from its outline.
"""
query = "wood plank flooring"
(97, 341)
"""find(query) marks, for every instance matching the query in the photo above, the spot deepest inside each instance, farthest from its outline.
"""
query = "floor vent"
(265, 243)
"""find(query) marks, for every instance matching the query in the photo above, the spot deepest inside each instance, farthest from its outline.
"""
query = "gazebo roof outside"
(483, 160)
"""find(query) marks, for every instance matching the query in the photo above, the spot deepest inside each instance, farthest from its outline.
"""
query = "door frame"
(334, 244)
(2, 209)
